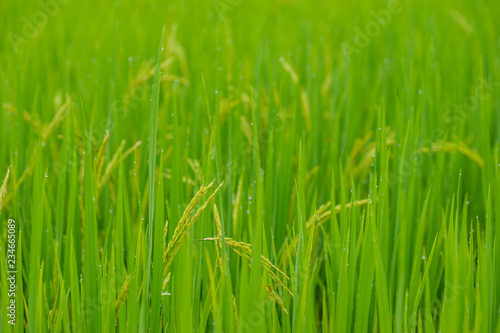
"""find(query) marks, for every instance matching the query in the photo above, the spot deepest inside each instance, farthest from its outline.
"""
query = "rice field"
(250, 166)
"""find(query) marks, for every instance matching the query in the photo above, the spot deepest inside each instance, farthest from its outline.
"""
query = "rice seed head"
(274, 297)
(122, 295)
(3, 189)
(58, 117)
(186, 222)
(245, 250)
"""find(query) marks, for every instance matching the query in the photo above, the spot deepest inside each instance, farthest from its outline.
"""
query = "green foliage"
(234, 166)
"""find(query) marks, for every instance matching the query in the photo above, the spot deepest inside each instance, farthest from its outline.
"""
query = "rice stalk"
(185, 223)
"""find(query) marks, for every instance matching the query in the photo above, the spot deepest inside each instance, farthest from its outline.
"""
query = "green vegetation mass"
(250, 166)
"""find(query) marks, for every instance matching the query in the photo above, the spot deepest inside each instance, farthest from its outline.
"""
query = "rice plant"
(249, 166)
